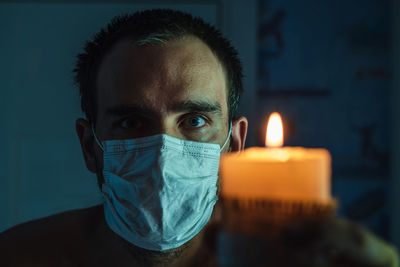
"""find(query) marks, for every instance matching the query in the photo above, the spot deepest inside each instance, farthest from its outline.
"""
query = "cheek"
(216, 137)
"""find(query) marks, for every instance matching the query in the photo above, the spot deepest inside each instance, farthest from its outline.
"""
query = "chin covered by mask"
(159, 191)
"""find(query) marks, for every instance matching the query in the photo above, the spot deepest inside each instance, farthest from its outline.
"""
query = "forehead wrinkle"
(200, 70)
(188, 63)
(167, 73)
(181, 70)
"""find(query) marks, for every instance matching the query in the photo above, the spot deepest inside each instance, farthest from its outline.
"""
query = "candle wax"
(288, 173)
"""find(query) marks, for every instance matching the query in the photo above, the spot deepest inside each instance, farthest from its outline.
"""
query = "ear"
(239, 133)
(84, 131)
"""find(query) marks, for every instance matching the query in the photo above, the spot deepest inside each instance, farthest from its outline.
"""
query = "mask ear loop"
(229, 135)
(95, 138)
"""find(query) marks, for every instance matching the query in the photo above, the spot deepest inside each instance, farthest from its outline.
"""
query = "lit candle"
(277, 173)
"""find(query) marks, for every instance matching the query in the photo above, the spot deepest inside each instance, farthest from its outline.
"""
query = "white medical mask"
(159, 191)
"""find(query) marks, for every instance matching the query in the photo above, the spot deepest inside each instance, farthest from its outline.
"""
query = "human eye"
(130, 123)
(194, 122)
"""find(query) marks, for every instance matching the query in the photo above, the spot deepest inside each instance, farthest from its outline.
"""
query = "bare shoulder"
(55, 239)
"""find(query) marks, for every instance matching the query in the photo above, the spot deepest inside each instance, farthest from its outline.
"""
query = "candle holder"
(250, 216)
(253, 229)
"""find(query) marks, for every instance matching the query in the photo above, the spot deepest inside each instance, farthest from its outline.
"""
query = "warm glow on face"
(274, 136)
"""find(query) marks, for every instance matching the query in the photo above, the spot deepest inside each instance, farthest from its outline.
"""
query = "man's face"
(177, 89)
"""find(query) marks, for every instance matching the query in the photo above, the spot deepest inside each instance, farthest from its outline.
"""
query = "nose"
(169, 127)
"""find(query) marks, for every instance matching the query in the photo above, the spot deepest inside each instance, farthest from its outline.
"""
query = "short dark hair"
(155, 25)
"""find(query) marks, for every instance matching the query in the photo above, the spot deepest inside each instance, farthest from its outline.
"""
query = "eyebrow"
(184, 106)
(197, 106)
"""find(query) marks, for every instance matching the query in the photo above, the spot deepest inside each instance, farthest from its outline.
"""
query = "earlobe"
(239, 133)
(85, 136)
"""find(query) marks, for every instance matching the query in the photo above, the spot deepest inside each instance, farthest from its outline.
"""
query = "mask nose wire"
(95, 138)
(222, 148)
(229, 135)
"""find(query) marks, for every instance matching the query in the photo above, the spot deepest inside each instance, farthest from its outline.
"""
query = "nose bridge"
(168, 126)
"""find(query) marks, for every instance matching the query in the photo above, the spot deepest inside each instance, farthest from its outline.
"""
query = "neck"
(180, 256)
(184, 255)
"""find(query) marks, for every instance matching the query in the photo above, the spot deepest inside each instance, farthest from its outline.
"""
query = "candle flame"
(274, 135)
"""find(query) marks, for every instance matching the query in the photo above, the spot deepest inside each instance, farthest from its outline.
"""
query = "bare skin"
(82, 238)
(155, 89)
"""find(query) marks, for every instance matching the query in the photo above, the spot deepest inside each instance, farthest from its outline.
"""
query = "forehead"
(157, 76)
